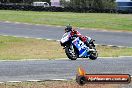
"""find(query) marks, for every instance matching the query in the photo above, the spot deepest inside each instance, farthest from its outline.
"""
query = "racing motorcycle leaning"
(75, 48)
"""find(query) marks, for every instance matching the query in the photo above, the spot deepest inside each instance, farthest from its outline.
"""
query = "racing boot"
(91, 42)
(90, 47)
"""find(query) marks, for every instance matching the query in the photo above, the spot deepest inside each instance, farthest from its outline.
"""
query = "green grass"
(106, 51)
(87, 20)
(12, 48)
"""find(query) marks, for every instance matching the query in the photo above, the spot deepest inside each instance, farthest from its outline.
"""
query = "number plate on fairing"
(83, 49)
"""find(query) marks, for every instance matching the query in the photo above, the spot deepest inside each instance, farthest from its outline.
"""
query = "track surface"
(51, 32)
(61, 69)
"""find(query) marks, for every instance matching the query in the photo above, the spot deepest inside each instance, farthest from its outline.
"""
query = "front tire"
(71, 53)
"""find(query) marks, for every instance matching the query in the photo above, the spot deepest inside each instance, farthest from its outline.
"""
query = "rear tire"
(73, 55)
(93, 55)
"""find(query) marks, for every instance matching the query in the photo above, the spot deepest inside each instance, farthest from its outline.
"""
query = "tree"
(90, 3)
(22, 1)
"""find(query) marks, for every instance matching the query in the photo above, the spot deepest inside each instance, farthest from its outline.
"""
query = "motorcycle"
(75, 48)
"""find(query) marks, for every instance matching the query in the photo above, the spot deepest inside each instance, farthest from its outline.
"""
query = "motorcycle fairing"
(65, 37)
(82, 48)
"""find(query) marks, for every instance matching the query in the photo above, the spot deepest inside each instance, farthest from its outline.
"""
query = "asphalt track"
(61, 69)
(52, 32)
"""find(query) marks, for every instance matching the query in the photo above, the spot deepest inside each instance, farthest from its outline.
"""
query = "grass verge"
(60, 84)
(87, 20)
(13, 48)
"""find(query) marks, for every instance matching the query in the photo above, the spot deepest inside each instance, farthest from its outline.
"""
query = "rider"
(75, 32)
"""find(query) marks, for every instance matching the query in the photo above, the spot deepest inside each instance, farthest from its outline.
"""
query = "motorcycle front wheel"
(71, 53)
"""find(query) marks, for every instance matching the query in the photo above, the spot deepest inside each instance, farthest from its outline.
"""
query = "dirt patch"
(61, 84)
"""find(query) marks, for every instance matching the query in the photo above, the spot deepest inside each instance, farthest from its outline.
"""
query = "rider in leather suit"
(76, 33)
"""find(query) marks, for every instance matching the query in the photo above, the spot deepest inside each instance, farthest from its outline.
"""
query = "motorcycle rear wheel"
(93, 55)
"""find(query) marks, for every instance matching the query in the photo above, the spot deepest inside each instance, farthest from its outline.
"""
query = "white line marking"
(103, 30)
(49, 39)
(107, 57)
(59, 41)
(38, 24)
(17, 22)
(116, 57)
(34, 80)
(5, 35)
(2, 82)
(125, 56)
(7, 22)
(38, 80)
(59, 59)
(39, 38)
(25, 37)
(24, 60)
(59, 79)
(14, 81)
